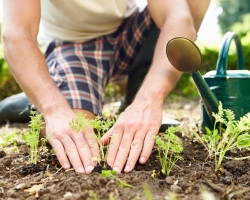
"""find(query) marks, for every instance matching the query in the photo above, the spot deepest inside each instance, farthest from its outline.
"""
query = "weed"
(226, 135)
(169, 149)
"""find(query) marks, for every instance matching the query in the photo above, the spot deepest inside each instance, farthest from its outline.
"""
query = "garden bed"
(191, 178)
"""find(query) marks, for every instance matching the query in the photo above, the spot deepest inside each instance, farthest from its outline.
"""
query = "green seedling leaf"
(52, 151)
(80, 123)
(243, 141)
(108, 173)
(9, 138)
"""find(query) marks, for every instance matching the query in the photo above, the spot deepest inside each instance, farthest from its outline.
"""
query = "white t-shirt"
(81, 20)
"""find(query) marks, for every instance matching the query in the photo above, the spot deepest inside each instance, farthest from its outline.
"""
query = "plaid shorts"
(81, 71)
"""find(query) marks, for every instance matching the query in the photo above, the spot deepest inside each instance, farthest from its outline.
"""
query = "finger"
(135, 151)
(147, 146)
(106, 137)
(84, 152)
(93, 145)
(60, 153)
(114, 145)
(123, 150)
(73, 155)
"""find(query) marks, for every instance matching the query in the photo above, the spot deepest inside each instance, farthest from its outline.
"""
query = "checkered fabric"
(82, 70)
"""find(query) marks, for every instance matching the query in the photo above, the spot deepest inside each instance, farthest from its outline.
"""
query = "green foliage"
(9, 138)
(226, 135)
(232, 12)
(169, 149)
(81, 123)
(185, 87)
(210, 56)
(111, 174)
(32, 137)
(8, 85)
(242, 27)
(112, 90)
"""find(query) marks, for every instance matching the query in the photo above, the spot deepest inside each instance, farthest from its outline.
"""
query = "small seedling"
(169, 149)
(226, 135)
(111, 174)
(81, 123)
(32, 137)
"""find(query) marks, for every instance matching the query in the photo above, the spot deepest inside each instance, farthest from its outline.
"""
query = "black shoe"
(15, 109)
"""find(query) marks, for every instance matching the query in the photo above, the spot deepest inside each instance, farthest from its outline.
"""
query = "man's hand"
(77, 148)
(132, 136)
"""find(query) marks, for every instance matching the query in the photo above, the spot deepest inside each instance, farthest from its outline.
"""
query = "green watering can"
(231, 87)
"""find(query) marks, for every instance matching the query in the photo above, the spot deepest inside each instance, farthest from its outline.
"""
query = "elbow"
(188, 22)
(13, 35)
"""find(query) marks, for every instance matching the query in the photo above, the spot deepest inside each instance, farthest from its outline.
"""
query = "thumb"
(106, 137)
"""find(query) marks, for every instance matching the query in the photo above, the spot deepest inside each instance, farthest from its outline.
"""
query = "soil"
(191, 178)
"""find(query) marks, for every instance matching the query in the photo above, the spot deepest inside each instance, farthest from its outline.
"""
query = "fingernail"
(90, 169)
(127, 168)
(116, 169)
(142, 160)
(80, 170)
(66, 166)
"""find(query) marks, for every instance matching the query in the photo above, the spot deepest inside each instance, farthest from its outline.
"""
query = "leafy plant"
(32, 136)
(111, 174)
(226, 135)
(169, 147)
(81, 123)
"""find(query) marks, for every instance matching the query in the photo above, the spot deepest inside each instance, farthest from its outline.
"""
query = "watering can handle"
(223, 55)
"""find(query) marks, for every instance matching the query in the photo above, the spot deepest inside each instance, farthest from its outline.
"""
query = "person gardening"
(87, 44)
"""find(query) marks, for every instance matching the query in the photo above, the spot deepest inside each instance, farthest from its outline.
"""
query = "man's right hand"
(77, 148)
(29, 67)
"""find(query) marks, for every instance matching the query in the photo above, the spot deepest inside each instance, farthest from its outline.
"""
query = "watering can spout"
(185, 56)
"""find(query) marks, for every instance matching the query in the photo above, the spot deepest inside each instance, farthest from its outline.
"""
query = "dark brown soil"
(192, 178)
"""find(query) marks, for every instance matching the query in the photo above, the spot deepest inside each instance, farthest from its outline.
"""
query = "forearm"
(162, 76)
(30, 70)
(174, 18)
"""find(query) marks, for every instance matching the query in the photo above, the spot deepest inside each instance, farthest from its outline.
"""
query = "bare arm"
(174, 18)
(135, 129)
(20, 28)
(19, 31)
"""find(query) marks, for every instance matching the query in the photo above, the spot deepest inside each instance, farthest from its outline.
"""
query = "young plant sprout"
(169, 149)
(111, 174)
(81, 123)
(32, 136)
(226, 135)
